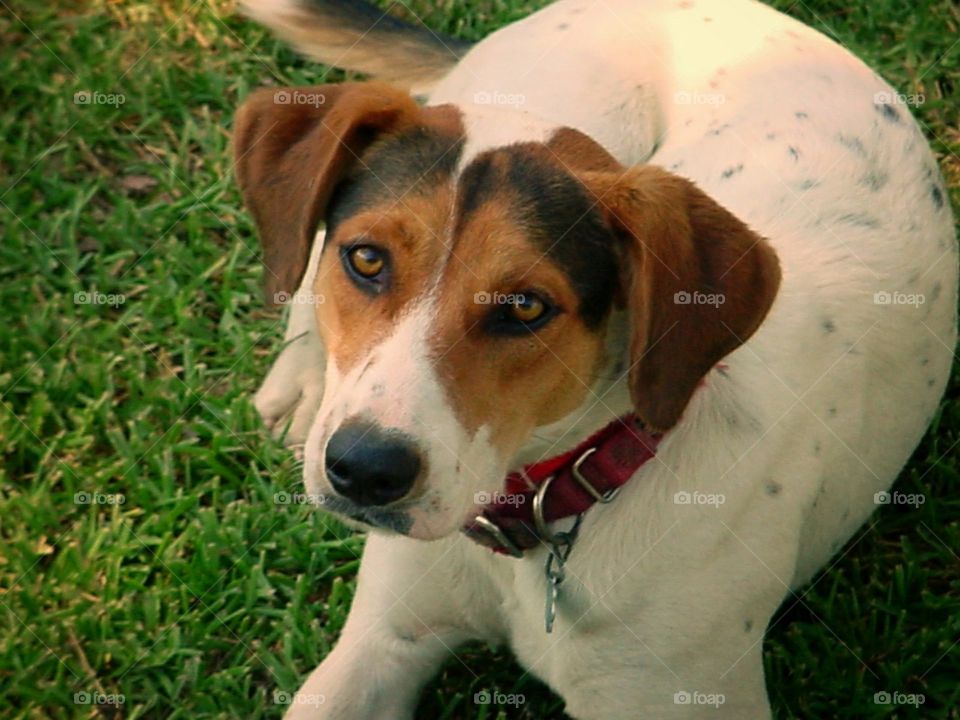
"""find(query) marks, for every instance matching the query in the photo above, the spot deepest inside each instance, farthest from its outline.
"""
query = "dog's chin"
(394, 520)
(407, 520)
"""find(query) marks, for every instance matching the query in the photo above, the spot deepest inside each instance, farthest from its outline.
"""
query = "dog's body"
(797, 431)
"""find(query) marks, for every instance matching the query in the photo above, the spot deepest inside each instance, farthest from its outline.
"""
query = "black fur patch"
(365, 18)
(731, 171)
(409, 162)
(556, 212)
(937, 195)
(854, 144)
(888, 111)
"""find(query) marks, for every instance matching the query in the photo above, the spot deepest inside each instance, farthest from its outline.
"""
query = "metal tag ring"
(541, 523)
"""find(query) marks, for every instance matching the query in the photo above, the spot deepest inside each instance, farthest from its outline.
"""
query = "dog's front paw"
(290, 395)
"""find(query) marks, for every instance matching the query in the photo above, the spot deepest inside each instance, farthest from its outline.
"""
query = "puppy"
(653, 295)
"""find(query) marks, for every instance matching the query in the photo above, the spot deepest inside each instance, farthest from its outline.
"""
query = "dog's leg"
(724, 681)
(408, 616)
(293, 388)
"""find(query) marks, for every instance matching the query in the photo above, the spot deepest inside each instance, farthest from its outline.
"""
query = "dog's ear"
(291, 146)
(698, 283)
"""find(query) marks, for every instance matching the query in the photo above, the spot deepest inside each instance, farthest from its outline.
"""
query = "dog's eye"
(527, 308)
(366, 261)
(521, 313)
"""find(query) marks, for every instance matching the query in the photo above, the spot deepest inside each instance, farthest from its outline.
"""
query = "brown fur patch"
(580, 153)
(292, 147)
(510, 383)
(411, 230)
(555, 212)
(683, 245)
(672, 240)
(522, 222)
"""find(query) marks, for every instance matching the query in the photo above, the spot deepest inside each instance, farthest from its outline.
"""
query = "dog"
(650, 297)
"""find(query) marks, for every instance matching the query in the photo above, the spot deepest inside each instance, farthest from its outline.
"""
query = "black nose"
(369, 465)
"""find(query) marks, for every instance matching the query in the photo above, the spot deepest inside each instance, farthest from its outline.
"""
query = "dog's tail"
(357, 35)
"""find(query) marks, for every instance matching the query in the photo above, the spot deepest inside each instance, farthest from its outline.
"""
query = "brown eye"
(518, 314)
(366, 261)
(527, 308)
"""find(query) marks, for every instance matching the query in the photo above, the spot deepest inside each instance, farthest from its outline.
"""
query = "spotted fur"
(655, 150)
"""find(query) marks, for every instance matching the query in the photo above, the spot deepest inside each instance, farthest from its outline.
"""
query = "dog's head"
(469, 295)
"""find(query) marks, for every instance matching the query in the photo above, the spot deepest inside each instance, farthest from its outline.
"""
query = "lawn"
(147, 556)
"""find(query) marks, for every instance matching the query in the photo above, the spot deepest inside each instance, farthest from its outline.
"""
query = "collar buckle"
(586, 484)
(621, 447)
(481, 523)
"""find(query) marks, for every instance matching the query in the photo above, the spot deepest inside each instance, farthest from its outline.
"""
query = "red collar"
(591, 472)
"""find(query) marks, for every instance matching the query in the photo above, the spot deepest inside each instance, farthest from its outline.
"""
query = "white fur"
(818, 411)
(396, 387)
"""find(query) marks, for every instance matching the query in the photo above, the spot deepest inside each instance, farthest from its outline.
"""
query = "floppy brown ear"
(699, 283)
(291, 146)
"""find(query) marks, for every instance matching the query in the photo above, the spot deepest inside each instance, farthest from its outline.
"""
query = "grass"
(199, 595)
